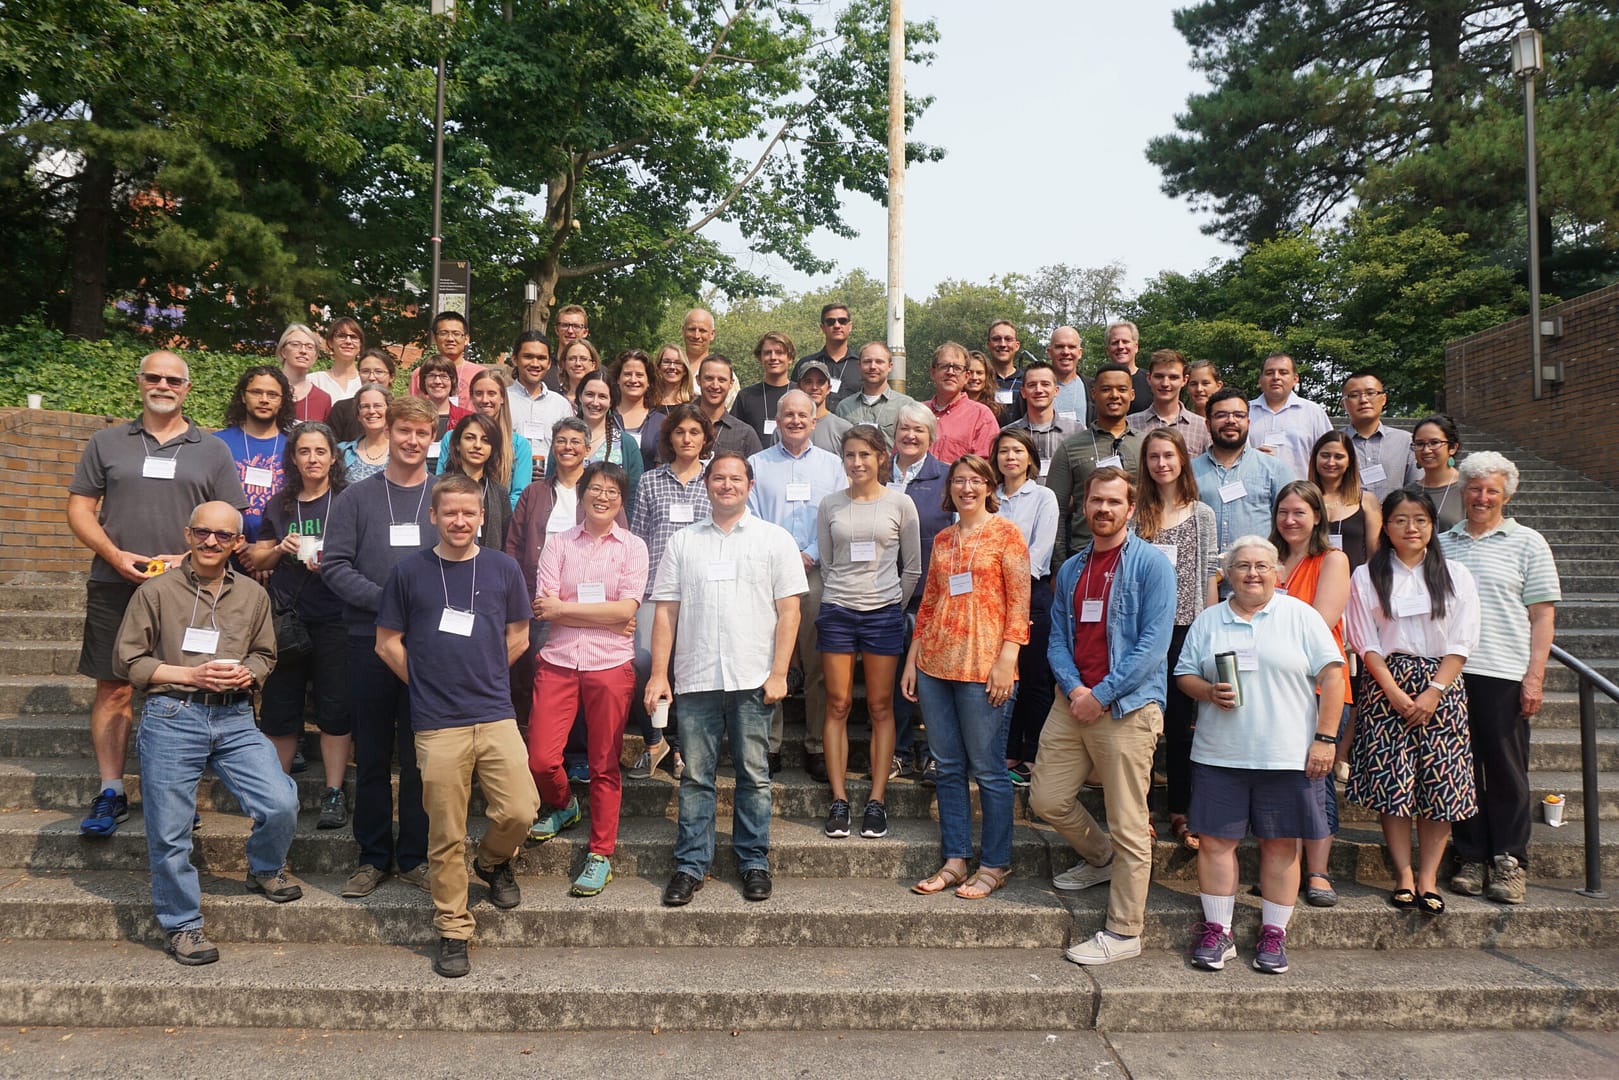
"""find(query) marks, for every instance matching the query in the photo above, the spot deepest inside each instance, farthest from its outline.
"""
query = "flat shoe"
(985, 879)
(1431, 904)
(1317, 897)
(1404, 899)
(938, 882)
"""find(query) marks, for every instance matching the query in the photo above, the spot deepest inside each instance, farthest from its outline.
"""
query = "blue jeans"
(177, 741)
(381, 733)
(967, 733)
(743, 717)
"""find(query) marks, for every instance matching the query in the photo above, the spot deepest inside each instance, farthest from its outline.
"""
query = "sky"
(1045, 108)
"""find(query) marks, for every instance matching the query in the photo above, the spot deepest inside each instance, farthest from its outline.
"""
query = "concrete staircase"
(842, 946)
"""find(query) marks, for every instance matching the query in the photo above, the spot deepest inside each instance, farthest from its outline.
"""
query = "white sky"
(1045, 107)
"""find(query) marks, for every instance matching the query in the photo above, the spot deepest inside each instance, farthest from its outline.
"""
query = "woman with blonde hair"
(672, 379)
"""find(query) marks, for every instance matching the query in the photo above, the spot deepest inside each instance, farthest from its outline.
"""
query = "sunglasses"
(223, 536)
(151, 379)
(836, 321)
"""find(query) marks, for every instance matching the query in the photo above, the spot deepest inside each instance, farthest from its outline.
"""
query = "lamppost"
(1527, 62)
(896, 192)
(436, 242)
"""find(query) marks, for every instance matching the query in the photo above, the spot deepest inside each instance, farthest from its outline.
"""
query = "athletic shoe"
(577, 770)
(191, 948)
(1271, 954)
(1082, 875)
(899, 768)
(1021, 774)
(276, 887)
(929, 774)
(1508, 882)
(452, 961)
(334, 809)
(503, 891)
(1104, 948)
(594, 877)
(647, 763)
(1468, 879)
(874, 823)
(107, 811)
(837, 819)
(1212, 946)
(554, 821)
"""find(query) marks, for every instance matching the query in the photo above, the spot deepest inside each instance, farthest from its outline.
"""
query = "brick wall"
(1488, 384)
(38, 450)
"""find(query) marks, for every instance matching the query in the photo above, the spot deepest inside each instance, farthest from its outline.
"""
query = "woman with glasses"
(962, 668)
(298, 349)
(489, 399)
(576, 360)
(367, 455)
(1435, 442)
(376, 367)
(1354, 520)
(345, 341)
(438, 384)
(672, 385)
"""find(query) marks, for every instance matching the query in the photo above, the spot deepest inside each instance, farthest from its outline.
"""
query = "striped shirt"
(1513, 567)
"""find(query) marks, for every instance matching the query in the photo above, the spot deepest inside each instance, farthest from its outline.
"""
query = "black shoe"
(503, 890)
(774, 763)
(929, 773)
(300, 763)
(756, 884)
(678, 892)
(874, 823)
(795, 681)
(815, 765)
(1020, 774)
(452, 961)
(837, 819)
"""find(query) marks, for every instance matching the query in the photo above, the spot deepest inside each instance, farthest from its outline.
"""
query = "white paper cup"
(660, 715)
(36, 401)
(1552, 807)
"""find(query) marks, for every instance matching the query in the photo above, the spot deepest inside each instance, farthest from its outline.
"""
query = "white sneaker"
(1104, 948)
(1082, 875)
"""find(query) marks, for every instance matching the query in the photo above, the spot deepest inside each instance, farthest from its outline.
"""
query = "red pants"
(606, 695)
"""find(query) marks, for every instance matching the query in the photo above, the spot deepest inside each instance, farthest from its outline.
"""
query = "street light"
(436, 242)
(1527, 62)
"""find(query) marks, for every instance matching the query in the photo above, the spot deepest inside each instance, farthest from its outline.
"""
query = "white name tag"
(862, 550)
(1045, 466)
(1373, 473)
(405, 535)
(592, 592)
(1276, 438)
(433, 451)
(1233, 491)
(837, 384)
(770, 428)
(455, 622)
(798, 492)
(722, 570)
(682, 513)
(1112, 459)
(200, 639)
(961, 584)
(1090, 611)
(1171, 552)
(537, 433)
(159, 468)
(1004, 397)
(259, 478)
(1409, 604)
(1247, 659)
(1335, 540)
(1071, 417)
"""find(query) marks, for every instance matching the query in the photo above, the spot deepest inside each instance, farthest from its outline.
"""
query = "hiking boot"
(191, 947)
(364, 881)
(1270, 956)
(452, 961)
(276, 886)
(594, 877)
(1508, 881)
(837, 819)
(1468, 879)
(107, 811)
(334, 809)
(553, 821)
(503, 890)
(1211, 946)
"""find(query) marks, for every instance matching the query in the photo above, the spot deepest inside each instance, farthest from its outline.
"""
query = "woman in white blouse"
(1413, 617)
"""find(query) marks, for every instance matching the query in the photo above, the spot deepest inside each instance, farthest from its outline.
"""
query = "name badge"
(1373, 473)
(538, 436)
(862, 550)
(837, 384)
(1112, 459)
(159, 468)
(961, 584)
(199, 639)
(405, 535)
(1071, 417)
(1090, 611)
(592, 592)
(433, 451)
(1045, 466)
(1171, 552)
(1335, 540)
(1247, 659)
(455, 622)
(259, 478)
(1276, 438)
(1409, 604)
(799, 492)
(722, 570)
(770, 428)
(1233, 491)
(682, 513)
(1004, 397)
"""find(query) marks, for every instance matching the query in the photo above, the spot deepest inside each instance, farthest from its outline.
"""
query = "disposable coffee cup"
(1225, 671)
(308, 549)
(223, 660)
(36, 401)
(1552, 807)
(660, 715)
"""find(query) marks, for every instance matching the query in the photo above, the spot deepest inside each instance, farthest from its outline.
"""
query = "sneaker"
(1270, 956)
(334, 809)
(417, 876)
(452, 961)
(300, 763)
(1020, 774)
(364, 881)
(107, 811)
(594, 877)
(648, 762)
(1468, 879)
(1104, 948)
(929, 773)
(191, 947)
(874, 823)
(1508, 881)
(899, 768)
(554, 821)
(578, 770)
(1212, 946)
(276, 887)
(1082, 875)
(837, 819)
(503, 890)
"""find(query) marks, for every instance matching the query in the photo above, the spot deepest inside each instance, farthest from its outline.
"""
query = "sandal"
(1316, 897)
(987, 879)
(1431, 904)
(1404, 899)
(1182, 831)
(939, 881)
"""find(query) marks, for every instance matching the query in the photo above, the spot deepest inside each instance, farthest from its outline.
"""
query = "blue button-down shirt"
(1262, 476)
(774, 469)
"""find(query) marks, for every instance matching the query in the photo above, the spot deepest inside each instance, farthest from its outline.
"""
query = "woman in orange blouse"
(962, 667)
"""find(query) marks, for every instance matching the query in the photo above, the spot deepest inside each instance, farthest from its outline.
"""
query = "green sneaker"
(552, 822)
(594, 877)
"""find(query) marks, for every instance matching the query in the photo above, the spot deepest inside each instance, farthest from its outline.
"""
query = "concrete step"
(45, 694)
(1588, 614)
(1582, 642)
(1558, 750)
(43, 597)
(39, 657)
(52, 625)
(1561, 709)
(718, 987)
(1560, 679)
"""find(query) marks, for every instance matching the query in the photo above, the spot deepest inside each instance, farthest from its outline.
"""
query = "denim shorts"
(1275, 803)
(844, 630)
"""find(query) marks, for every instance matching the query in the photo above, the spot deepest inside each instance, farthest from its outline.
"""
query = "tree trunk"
(92, 225)
(545, 275)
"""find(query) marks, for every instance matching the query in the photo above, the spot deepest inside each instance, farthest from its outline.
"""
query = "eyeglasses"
(151, 379)
(1002, 338)
(299, 346)
(835, 320)
(949, 369)
(968, 482)
(1364, 395)
(597, 492)
(1252, 568)
(450, 335)
(1225, 415)
(223, 536)
(1429, 444)
(346, 335)
(570, 326)
(438, 376)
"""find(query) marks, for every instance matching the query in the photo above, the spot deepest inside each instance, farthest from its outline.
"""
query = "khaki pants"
(1121, 753)
(447, 758)
(809, 658)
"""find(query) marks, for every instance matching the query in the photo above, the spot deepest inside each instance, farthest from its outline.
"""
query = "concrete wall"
(38, 450)
(1576, 422)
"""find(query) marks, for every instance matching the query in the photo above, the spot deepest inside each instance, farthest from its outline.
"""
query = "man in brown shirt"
(198, 639)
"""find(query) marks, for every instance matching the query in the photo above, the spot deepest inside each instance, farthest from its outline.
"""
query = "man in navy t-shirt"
(465, 608)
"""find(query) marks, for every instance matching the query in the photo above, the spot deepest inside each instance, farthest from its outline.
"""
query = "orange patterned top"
(961, 636)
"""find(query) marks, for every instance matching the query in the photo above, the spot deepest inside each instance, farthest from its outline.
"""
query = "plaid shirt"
(658, 491)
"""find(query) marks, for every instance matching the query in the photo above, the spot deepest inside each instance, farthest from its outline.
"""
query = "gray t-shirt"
(889, 572)
(144, 508)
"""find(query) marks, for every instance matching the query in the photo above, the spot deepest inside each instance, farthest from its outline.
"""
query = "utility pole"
(1527, 62)
(436, 241)
(896, 191)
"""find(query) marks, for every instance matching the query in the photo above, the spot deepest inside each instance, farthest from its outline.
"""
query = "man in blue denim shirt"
(1111, 621)
(1239, 483)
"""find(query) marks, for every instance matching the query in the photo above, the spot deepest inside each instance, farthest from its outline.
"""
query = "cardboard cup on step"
(1552, 807)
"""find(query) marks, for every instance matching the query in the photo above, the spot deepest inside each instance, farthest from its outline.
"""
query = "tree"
(1063, 295)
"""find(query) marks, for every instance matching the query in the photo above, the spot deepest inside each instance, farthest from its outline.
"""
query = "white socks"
(1275, 914)
(1219, 909)
(117, 785)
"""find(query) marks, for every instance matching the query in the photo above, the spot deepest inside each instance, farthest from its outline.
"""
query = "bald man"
(697, 337)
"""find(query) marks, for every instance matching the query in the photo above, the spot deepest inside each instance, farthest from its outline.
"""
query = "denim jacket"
(1140, 619)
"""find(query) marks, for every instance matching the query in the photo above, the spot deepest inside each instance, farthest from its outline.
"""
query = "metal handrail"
(1590, 682)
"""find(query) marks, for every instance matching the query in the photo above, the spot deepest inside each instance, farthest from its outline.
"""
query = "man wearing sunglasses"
(135, 486)
(198, 640)
(843, 364)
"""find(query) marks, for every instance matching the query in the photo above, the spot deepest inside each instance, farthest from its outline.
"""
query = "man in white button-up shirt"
(728, 610)
(1280, 422)
(535, 407)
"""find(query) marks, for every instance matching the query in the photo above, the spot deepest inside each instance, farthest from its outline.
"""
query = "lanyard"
(387, 490)
(473, 599)
(279, 441)
(147, 453)
(303, 522)
(213, 607)
(1084, 579)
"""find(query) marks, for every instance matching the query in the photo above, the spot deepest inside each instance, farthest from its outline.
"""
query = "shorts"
(843, 630)
(321, 675)
(104, 607)
(1275, 804)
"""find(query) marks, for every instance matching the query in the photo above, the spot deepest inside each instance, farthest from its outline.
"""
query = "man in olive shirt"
(199, 639)
(873, 401)
(1110, 440)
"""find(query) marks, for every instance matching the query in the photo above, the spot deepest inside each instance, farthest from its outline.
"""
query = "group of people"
(1035, 576)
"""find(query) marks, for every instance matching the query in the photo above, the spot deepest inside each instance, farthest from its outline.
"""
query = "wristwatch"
(1435, 684)
(1332, 739)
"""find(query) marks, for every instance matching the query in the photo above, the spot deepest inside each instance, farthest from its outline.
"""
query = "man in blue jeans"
(728, 607)
(198, 639)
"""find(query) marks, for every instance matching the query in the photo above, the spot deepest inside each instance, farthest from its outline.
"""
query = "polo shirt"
(1512, 566)
(1248, 513)
(1290, 431)
(1192, 428)
(618, 562)
(965, 427)
(775, 500)
(1079, 456)
(845, 373)
(1047, 440)
(1388, 449)
(882, 413)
